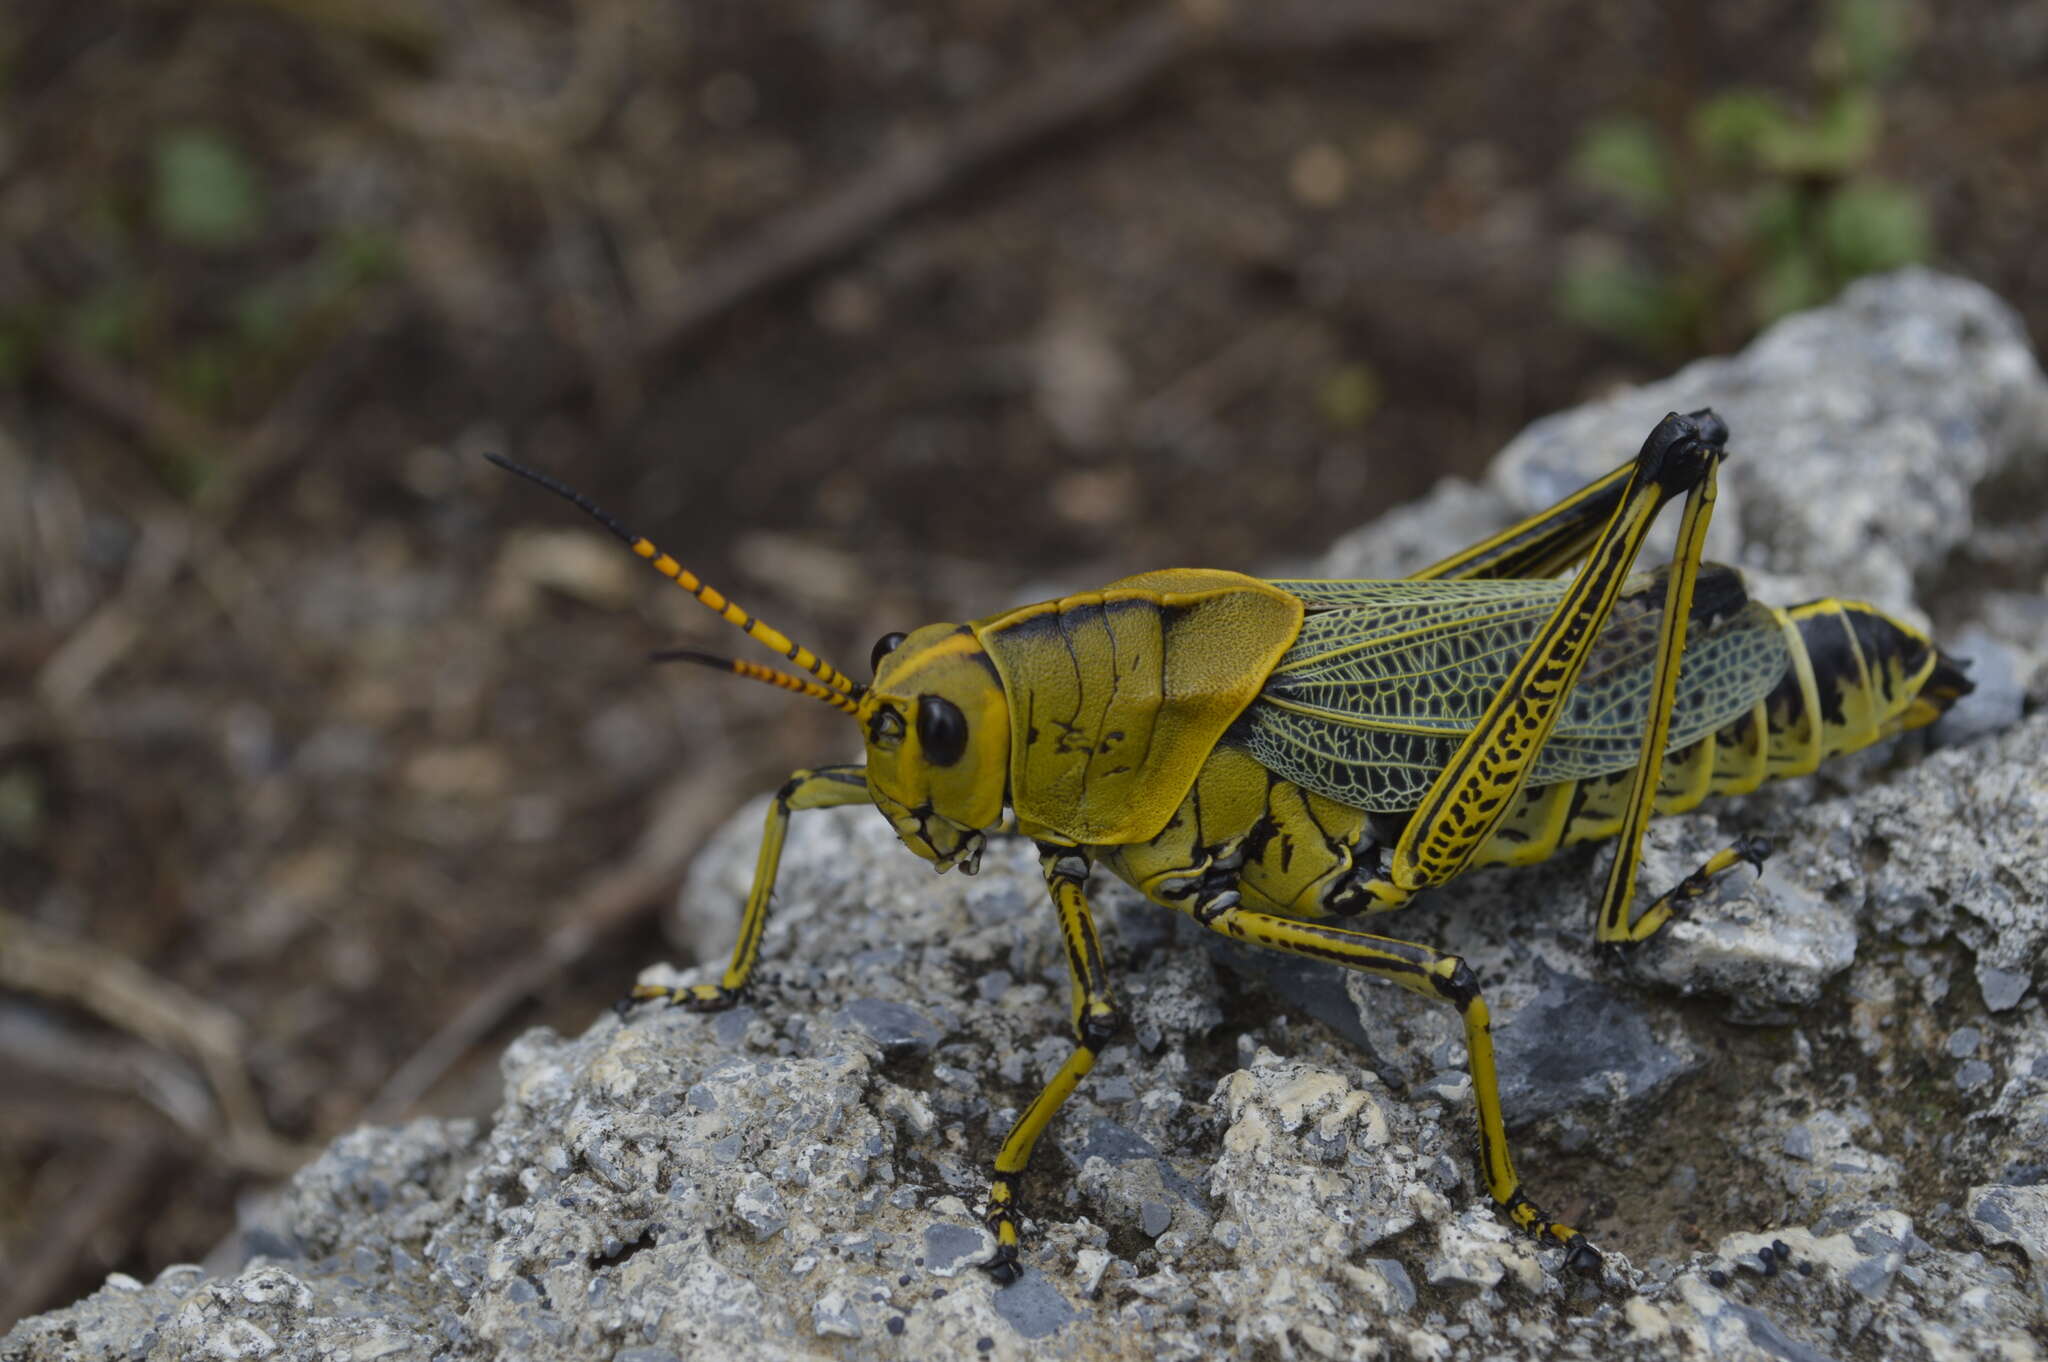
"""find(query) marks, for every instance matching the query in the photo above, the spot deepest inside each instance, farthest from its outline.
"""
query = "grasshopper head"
(937, 725)
(938, 732)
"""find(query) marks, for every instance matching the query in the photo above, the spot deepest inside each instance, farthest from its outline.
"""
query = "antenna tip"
(567, 493)
(713, 660)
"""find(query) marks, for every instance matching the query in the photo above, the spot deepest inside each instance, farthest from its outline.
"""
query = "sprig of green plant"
(1755, 206)
(200, 293)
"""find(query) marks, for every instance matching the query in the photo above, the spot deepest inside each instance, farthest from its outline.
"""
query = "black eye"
(941, 730)
(886, 644)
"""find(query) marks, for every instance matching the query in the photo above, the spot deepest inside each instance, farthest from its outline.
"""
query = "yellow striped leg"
(1095, 1018)
(827, 787)
(1433, 974)
(1552, 540)
(1612, 921)
(1543, 545)
(1476, 789)
(1750, 851)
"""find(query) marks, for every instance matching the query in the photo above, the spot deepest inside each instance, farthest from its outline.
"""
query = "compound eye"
(886, 644)
(941, 730)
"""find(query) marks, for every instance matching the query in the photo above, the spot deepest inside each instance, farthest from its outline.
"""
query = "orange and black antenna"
(755, 671)
(836, 689)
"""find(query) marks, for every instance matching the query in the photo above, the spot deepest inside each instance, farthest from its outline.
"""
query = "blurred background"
(329, 756)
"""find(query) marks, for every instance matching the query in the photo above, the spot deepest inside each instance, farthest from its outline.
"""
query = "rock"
(1878, 442)
(1999, 670)
(1956, 844)
(1822, 1159)
(802, 1177)
(902, 1031)
(2017, 1216)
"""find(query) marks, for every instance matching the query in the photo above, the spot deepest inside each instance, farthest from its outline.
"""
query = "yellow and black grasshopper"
(1273, 758)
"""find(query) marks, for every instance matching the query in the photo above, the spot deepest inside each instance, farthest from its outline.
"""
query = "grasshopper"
(1276, 759)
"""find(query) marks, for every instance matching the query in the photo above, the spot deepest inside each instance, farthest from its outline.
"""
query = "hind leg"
(1433, 974)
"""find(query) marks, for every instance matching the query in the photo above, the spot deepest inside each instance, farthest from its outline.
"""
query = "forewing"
(1387, 678)
(1732, 660)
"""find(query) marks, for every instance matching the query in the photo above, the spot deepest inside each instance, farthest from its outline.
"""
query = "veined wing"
(1387, 678)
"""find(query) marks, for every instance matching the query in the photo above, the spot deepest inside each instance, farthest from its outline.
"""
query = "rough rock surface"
(1810, 1121)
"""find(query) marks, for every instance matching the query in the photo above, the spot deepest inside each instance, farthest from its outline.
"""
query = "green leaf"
(362, 255)
(1622, 156)
(1790, 280)
(1349, 395)
(264, 314)
(204, 373)
(1872, 37)
(1777, 216)
(1734, 125)
(1622, 300)
(188, 474)
(347, 261)
(206, 193)
(1871, 226)
(24, 806)
(1840, 140)
(108, 319)
(20, 344)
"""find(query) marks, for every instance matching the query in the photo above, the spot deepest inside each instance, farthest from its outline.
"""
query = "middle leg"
(1095, 1019)
(1246, 841)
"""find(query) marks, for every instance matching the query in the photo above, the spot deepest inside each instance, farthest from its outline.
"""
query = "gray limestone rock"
(1954, 846)
(1849, 1051)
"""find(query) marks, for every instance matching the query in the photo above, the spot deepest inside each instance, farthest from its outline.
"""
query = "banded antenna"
(837, 688)
(756, 671)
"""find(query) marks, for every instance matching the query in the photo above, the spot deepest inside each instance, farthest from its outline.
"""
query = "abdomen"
(1854, 676)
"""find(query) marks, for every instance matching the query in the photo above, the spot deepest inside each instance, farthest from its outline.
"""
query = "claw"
(1004, 1267)
(704, 998)
(1756, 850)
(695, 998)
(1002, 1264)
(1581, 1257)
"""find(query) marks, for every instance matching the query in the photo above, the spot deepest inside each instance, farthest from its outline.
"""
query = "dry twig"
(118, 1179)
(404, 28)
(34, 959)
(1105, 74)
(198, 537)
(684, 815)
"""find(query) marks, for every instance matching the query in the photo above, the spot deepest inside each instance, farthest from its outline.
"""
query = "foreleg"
(826, 787)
